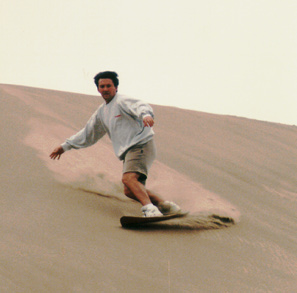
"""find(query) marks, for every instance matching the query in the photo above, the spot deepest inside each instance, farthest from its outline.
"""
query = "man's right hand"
(57, 152)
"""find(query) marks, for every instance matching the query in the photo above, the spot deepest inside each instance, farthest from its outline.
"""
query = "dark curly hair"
(107, 74)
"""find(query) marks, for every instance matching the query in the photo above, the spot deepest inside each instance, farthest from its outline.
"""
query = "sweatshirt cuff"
(146, 115)
(66, 146)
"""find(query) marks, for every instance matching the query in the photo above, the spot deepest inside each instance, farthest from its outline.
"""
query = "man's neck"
(107, 101)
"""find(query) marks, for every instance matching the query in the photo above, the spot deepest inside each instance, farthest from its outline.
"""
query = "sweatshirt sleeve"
(89, 135)
(136, 107)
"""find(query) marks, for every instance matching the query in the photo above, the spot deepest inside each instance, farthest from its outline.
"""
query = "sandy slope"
(59, 235)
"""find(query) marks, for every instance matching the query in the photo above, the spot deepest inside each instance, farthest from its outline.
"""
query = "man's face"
(107, 89)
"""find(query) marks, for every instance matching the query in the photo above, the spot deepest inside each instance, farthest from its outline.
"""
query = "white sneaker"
(150, 210)
(169, 207)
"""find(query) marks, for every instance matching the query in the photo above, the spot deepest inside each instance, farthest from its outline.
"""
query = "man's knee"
(129, 177)
(128, 193)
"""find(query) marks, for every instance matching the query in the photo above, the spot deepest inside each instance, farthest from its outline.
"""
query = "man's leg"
(155, 199)
(136, 190)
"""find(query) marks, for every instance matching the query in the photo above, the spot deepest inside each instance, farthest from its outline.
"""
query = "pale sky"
(236, 57)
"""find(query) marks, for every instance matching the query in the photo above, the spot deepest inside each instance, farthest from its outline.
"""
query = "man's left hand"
(148, 121)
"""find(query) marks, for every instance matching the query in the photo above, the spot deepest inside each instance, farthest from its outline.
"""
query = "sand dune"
(60, 228)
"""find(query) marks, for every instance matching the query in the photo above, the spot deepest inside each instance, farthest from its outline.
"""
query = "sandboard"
(132, 221)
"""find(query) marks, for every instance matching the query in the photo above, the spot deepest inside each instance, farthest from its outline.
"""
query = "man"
(128, 122)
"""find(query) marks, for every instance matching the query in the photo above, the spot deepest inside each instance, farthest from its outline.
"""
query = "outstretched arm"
(86, 137)
(57, 152)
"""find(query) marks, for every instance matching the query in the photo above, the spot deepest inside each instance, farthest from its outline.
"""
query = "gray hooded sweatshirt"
(121, 119)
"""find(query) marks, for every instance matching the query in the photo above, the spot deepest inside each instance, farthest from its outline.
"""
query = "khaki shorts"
(139, 159)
